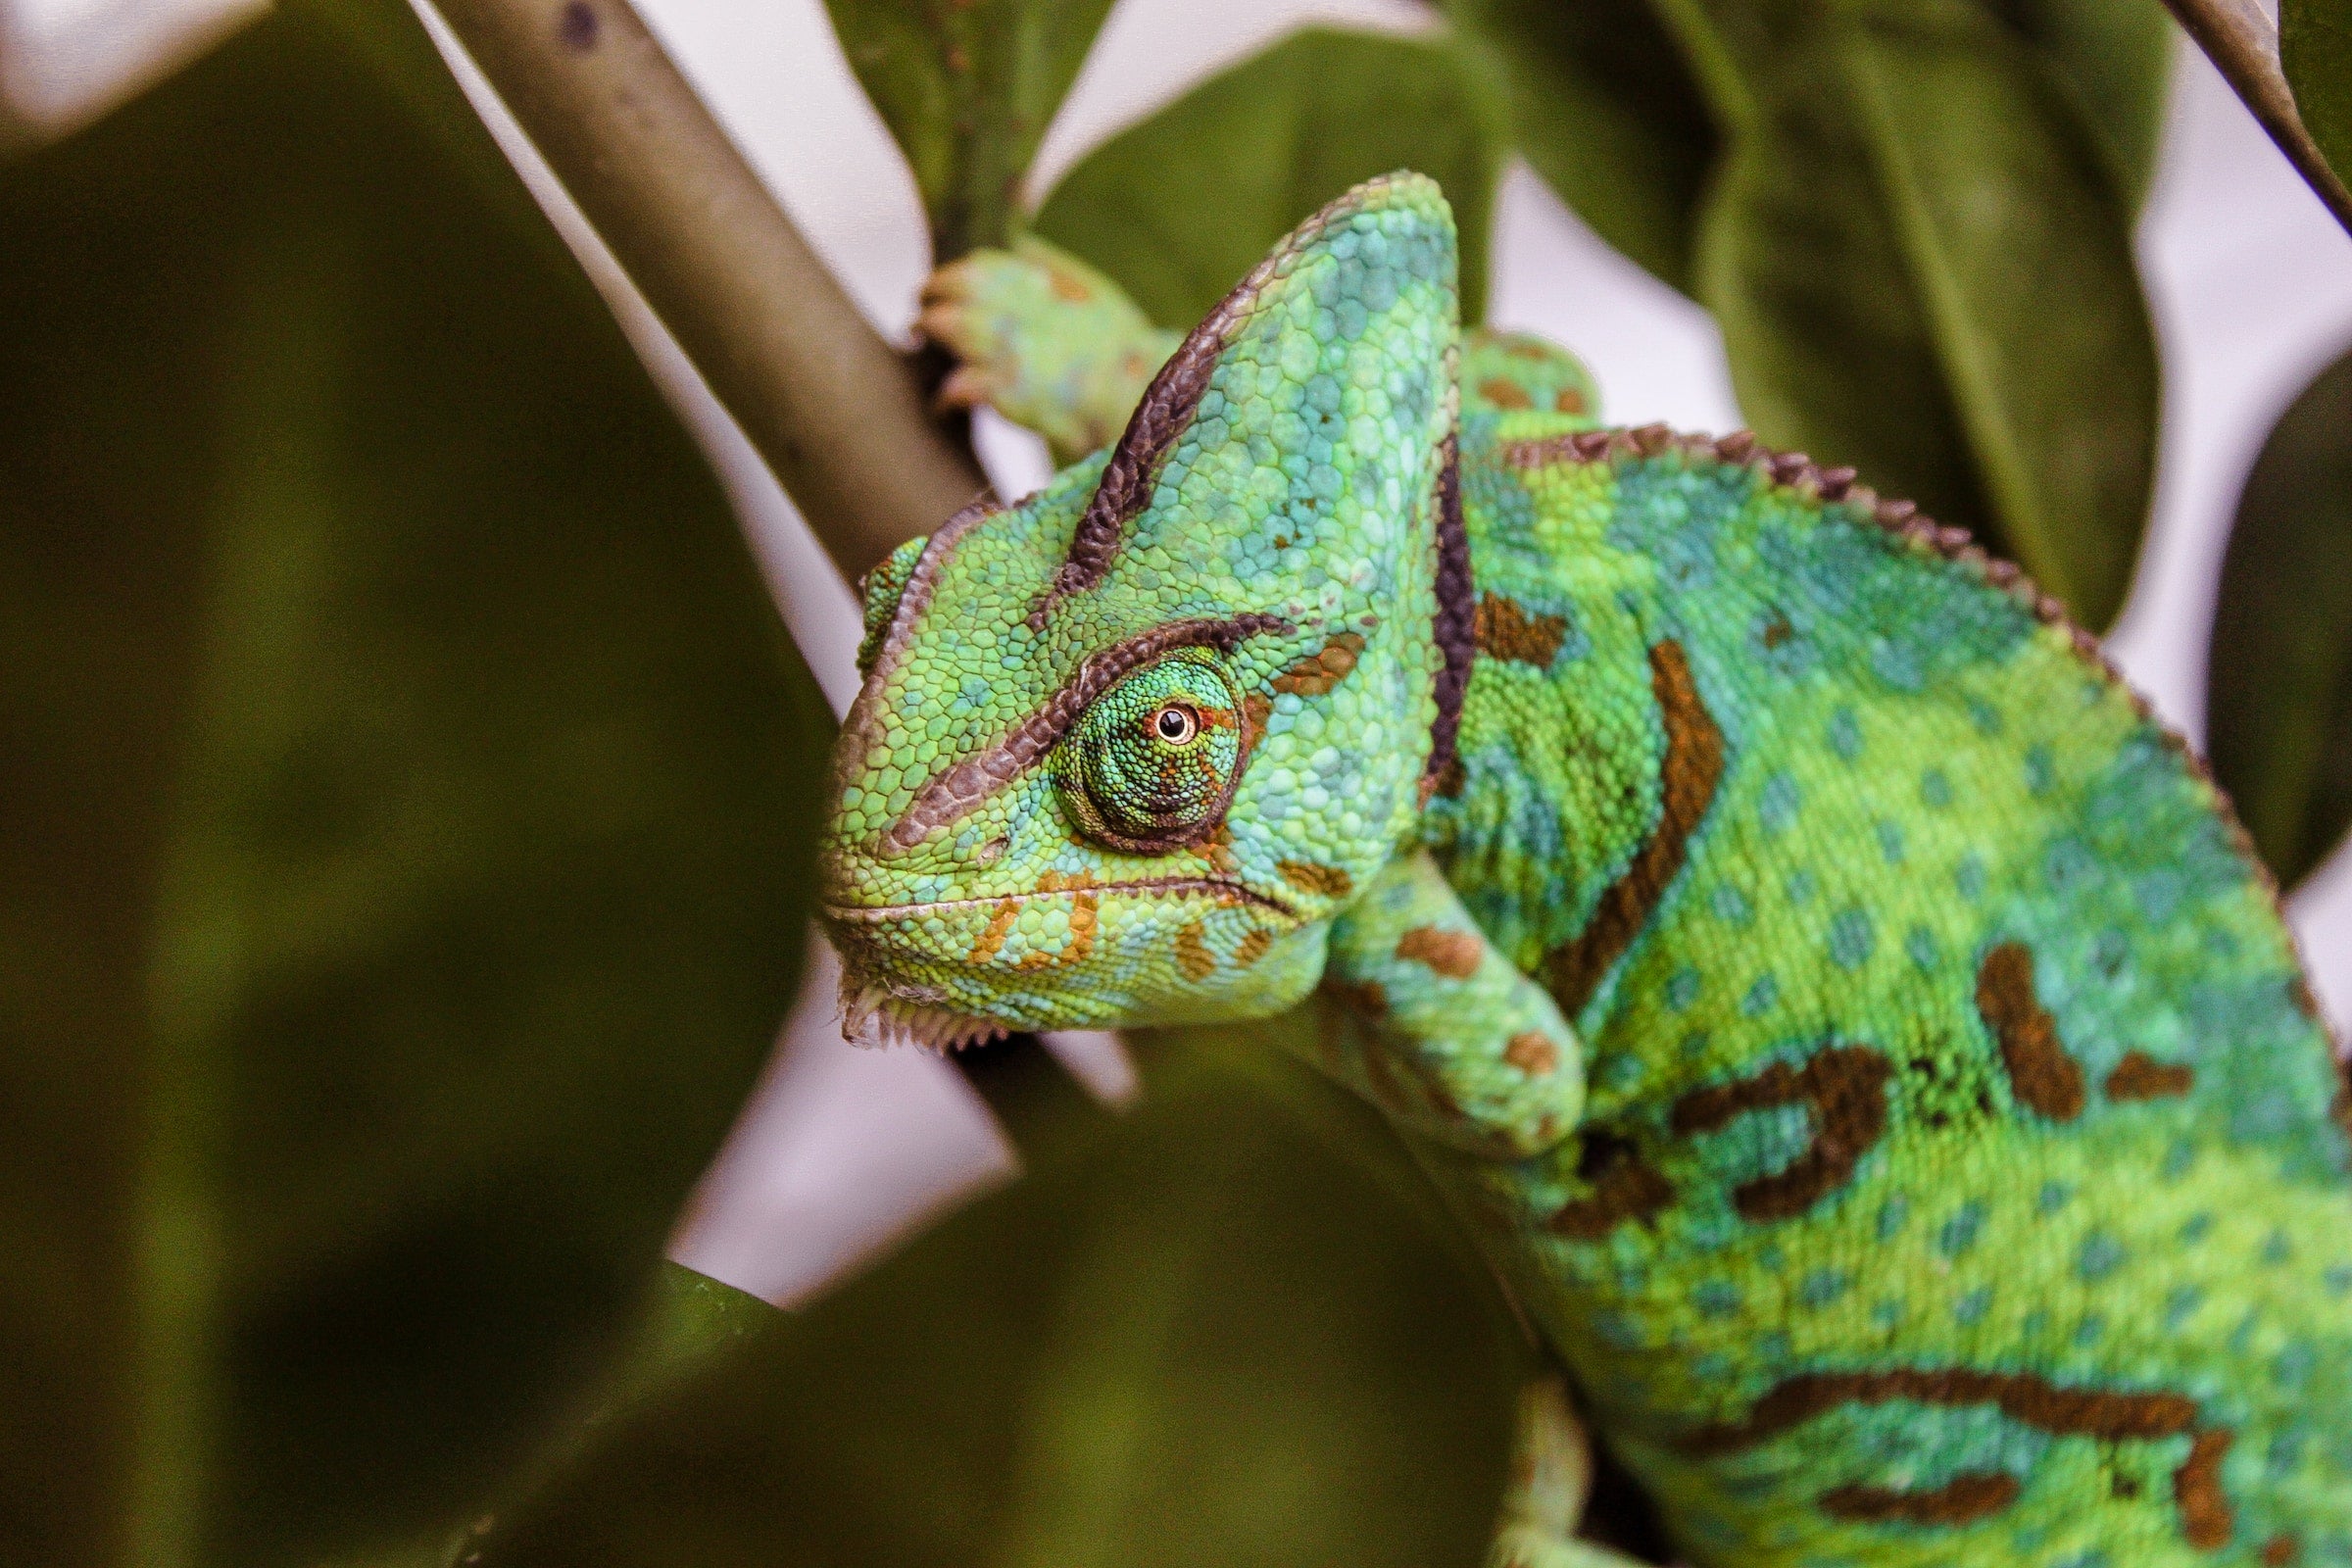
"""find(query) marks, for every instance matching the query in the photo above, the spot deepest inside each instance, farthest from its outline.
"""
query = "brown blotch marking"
(576, 27)
(1569, 401)
(1325, 881)
(1531, 1054)
(1000, 926)
(2281, 1550)
(1451, 624)
(1191, 952)
(1845, 1086)
(1447, 781)
(2045, 1077)
(2141, 1076)
(2030, 1401)
(1082, 937)
(1505, 630)
(1686, 781)
(1452, 954)
(1256, 708)
(2205, 1516)
(1253, 946)
(1319, 672)
(1067, 285)
(1624, 1188)
(1505, 394)
(1962, 1500)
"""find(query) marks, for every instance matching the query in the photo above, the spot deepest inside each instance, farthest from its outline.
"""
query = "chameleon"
(1855, 1028)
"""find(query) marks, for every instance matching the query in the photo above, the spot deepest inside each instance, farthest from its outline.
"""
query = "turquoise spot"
(1845, 734)
(1615, 1328)
(2036, 1328)
(1681, 988)
(2100, 1255)
(1712, 1367)
(1886, 1315)
(1622, 1071)
(1777, 806)
(1695, 1045)
(1972, 1308)
(1852, 939)
(1731, 906)
(1774, 1346)
(1801, 886)
(2339, 1280)
(2041, 771)
(1824, 1286)
(2178, 1159)
(1893, 1217)
(1716, 1298)
(2277, 1249)
(1986, 717)
(2054, 1196)
(2182, 1304)
(1960, 1232)
(1919, 943)
(2199, 1226)
(1890, 843)
(2295, 1364)
(1760, 997)
(2286, 1452)
(1969, 876)
(1934, 789)
(2089, 1331)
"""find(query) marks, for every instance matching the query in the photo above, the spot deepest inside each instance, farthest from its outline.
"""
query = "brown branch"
(2242, 41)
(836, 413)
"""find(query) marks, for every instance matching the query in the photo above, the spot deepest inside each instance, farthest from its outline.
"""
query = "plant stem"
(2242, 41)
(837, 413)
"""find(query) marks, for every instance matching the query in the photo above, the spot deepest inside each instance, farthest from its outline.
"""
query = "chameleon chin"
(1880, 1069)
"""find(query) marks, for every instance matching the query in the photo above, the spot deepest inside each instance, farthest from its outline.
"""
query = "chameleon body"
(1857, 1029)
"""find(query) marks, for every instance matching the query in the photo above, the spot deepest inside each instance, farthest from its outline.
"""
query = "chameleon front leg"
(1442, 1031)
(1045, 340)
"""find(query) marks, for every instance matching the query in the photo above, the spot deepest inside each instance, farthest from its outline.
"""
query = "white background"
(2250, 282)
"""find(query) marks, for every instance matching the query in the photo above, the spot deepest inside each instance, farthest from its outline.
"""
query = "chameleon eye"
(1149, 766)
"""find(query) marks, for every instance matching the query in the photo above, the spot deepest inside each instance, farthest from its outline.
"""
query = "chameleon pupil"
(1177, 725)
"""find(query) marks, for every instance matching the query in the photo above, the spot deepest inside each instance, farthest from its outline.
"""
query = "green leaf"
(2115, 56)
(1178, 209)
(1603, 107)
(2315, 46)
(967, 87)
(407, 860)
(2279, 682)
(1197, 1335)
(1922, 269)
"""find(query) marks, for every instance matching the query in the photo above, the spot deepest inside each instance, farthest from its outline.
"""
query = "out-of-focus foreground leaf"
(1923, 269)
(968, 88)
(2116, 57)
(1603, 108)
(407, 844)
(2279, 681)
(1179, 208)
(2315, 46)
(1196, 1336)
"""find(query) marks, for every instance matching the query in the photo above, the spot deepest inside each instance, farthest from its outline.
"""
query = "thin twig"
(837, 414)
(2242, 41)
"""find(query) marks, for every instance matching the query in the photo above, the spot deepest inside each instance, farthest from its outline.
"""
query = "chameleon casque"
(1856, 1028)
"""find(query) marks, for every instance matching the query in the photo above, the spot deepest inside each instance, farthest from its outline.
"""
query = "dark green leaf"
(1604, 109)
(1178, 209)
(406, 867)
(2279, 687)
(969, 88)
(2315, 45)
(2115, 56)
(1197, 1335)
(1922, 269)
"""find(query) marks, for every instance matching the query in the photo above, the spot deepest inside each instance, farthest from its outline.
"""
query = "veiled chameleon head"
(1124, 748)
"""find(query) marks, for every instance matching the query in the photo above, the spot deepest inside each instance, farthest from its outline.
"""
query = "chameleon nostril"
(987, 853)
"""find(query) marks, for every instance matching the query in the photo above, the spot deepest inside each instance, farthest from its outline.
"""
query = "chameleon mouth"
(1224, 892)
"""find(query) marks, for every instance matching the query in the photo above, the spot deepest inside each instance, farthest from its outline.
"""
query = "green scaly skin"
(1856, 1027)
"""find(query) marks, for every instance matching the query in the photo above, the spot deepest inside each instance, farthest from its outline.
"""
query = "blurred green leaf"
(2115, 55)
(1199, 1335)
(1603, 108)
(967, 87)
(407, 852)
(2315, 46)
(2279, 681)
(1921, 268)
(1178, 209)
